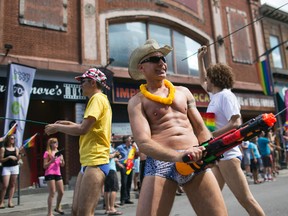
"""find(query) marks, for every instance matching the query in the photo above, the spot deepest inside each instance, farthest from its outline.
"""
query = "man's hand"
(51, 129)
(202, 51)
(195, 154)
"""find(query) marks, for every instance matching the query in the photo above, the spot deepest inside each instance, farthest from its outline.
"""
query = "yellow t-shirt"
(94, 146)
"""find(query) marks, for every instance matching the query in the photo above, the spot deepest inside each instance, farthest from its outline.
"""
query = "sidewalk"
(35, 200)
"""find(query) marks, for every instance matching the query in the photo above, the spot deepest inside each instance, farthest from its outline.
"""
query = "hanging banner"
(20, 80)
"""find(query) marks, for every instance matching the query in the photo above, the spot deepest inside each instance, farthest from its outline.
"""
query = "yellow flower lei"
(168, 100)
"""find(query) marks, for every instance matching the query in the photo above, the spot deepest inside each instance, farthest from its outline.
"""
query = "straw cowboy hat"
(139, 53)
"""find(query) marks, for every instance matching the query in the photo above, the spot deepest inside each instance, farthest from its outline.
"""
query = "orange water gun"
(215, 147)
(129, 162)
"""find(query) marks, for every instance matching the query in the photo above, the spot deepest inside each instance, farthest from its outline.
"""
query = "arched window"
(125, 37)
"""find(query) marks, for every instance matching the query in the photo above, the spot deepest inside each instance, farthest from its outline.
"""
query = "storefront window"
(125, 37)
(276, 53)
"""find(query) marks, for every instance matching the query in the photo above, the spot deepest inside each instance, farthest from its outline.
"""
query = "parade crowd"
(166, 128)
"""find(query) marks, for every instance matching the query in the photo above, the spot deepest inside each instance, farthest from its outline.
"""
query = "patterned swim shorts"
(166, 170)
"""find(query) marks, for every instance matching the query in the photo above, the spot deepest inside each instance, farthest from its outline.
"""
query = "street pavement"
(33, 202)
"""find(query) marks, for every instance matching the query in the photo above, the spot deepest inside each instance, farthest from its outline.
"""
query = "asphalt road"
(272, 196)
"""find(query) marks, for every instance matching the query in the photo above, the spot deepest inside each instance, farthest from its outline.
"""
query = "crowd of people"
(261, 157)
(166, 128)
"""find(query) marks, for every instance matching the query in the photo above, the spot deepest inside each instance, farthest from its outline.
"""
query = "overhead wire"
(222, 38)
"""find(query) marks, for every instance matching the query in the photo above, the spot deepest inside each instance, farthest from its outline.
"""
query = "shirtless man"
(166, 125)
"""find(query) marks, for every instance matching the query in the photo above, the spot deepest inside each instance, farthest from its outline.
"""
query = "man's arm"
(201, 131)
(65, 122)
(142, 135)
(234, 122)
(71, 129)
(202, 71)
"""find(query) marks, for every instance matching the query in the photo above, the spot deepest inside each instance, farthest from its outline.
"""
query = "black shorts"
(255, 166)
(111, 182)
(267, 161)
(53, 177)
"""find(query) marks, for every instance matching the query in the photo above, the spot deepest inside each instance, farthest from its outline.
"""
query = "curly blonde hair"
(221, 75)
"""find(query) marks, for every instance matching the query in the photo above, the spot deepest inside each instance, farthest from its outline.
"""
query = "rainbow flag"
(265, 77)
(30, 142)
(209, 120)
(12, 130)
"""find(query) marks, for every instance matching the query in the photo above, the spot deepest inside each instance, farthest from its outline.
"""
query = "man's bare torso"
(169, 124)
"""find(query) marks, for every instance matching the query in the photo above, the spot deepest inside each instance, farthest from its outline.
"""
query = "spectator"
(246, 157)
(136, 169)
(94, 142)
(126, 180)
(9, 157)
(255, 158)
(52, 163)
(264, 149)
(111, 185)
(285, 137)
(218, 81)
(274, 148)
(142, 168)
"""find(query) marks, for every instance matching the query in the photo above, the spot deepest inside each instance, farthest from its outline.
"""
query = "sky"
(277, 3)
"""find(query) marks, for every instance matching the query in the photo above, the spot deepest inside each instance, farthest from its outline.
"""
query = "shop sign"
(122, 92)
(201, 97)
(50, 90)
(259, 102)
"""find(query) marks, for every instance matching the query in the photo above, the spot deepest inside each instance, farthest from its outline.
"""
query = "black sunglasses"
(154, 59)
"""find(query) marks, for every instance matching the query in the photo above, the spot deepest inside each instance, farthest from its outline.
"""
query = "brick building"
(63, 38)
(275, 29)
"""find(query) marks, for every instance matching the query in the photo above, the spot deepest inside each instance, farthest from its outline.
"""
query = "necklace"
(168, 100)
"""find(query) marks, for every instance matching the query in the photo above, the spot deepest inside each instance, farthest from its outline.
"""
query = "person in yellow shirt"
(94, 142)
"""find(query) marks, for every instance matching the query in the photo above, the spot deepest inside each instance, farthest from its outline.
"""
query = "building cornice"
(273, 13)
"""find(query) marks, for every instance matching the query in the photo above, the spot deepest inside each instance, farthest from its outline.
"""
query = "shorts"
(255, 166)
(166, 170)
(103, 167)
(13, 170)
(53, 177)
(136, 166)
(246, 158)
(111, 182)
(266, 161)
